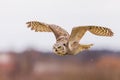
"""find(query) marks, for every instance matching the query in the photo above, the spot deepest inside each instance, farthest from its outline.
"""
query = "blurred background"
(27, 55)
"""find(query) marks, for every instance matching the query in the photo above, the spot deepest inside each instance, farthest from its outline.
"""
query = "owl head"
(60, 49)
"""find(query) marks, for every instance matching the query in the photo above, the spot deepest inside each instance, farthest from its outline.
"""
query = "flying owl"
(68, 44)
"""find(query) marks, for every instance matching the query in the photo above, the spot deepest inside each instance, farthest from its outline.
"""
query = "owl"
(69, 44)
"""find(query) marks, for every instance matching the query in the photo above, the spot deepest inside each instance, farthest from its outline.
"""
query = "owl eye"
(59, 47)
(64, 44)
(56, 50)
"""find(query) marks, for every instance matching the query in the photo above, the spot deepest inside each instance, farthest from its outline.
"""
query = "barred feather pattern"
(38, 26)
(101, 31)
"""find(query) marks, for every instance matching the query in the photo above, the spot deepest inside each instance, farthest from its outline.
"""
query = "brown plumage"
(69, 44)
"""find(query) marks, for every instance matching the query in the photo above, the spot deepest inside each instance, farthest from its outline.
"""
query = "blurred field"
(36, 65)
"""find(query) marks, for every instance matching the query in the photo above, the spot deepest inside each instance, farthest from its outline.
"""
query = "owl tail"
(80, 48)
(100, 31)
(86, 47)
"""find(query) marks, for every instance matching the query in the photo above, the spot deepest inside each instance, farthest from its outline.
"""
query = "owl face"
(59, 49)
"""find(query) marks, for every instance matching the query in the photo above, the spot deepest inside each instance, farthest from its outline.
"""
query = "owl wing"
(78, 32)
(43, 27)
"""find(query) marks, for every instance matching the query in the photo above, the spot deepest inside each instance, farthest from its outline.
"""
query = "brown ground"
(35, 65)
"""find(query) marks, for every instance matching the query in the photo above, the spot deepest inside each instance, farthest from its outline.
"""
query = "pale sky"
(14, 35)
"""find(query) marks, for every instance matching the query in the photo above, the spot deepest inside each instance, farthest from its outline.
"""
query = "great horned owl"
(68, 44)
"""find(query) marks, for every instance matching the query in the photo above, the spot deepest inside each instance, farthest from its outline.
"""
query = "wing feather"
(100, 31)
(38, 26)
(78, 32)
(43, 27)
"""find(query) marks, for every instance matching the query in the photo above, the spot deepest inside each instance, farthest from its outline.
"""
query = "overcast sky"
(67, 13)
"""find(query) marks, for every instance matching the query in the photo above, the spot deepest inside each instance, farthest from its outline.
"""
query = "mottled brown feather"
(100, 31)
(38, 26)
(43, 27)
(78, 32)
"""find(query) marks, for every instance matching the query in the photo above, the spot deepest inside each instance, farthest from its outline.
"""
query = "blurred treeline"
(35, 65)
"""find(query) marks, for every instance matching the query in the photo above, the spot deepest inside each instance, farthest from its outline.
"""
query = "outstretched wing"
(78, 32)
(43, 27)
